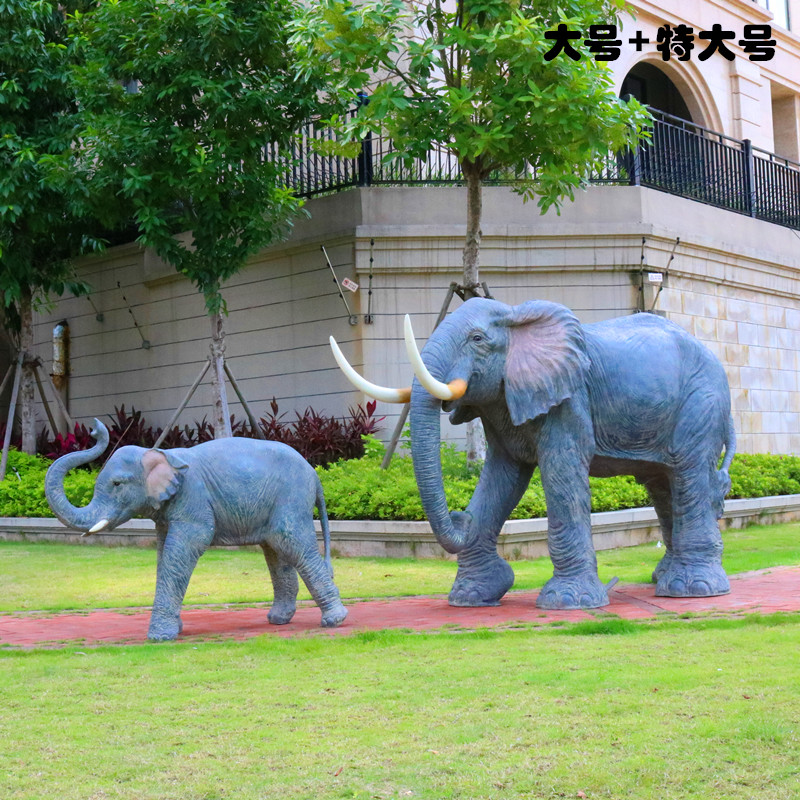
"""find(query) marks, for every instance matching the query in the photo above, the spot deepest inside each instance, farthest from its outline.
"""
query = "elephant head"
(133, 482)
(513, 363)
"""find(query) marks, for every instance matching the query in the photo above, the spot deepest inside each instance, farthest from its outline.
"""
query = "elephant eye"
(117, 483)
(477, 337)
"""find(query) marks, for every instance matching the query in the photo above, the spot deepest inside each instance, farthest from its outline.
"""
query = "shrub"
(360, 489)
(22, 492)
(762, 475)
(318, 438)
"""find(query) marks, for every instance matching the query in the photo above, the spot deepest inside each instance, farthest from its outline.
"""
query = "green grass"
(46, 576)
(670, 710)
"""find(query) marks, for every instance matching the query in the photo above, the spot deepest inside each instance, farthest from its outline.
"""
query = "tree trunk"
(476, 441)
(27, 386)
(472, 245)
(221, 416)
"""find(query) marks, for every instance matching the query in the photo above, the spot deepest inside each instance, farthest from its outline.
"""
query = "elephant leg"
(284, 584)
(564, 457)
(483, 577)
(695, 565)
(660, 491)
(183, 545)
(161, 536)
(296, 544)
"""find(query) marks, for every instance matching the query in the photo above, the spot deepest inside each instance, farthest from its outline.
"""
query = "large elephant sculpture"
(224, 492)
(635, 395)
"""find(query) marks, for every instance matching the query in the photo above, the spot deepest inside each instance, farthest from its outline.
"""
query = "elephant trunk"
(426, 454)
(82, 519)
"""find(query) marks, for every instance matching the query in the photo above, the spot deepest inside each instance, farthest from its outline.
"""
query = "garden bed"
(519, 539)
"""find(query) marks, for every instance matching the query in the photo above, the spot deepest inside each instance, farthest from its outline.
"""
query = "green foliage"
(360, 489)
(762, 475)
(472, 79)
(182, 98)
(22, 492)
(40, 184)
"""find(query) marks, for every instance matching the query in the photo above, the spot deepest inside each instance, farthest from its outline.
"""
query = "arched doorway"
(652, 87)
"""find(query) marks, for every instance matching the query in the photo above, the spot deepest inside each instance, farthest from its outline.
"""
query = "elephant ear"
(162, 475)
(546, 361)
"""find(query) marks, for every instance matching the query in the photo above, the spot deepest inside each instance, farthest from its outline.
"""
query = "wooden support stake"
(253, 424)
(192, 390)
(59, 402)
(12, 408)
(46, 405)
(9, 373)
(401, 421)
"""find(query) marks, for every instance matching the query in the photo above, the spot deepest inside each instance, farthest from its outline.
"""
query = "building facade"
(703, 226)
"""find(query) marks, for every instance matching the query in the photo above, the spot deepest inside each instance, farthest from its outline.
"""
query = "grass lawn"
(657, 711)
(45, 576)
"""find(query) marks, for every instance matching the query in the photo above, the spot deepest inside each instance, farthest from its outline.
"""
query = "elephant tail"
(723, 475)
(326, 531)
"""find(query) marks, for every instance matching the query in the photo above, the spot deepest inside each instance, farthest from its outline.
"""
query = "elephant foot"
(482, 584)
(662, 567)
(281, 614)
(164, 630)
(566, 592)
(691, 580)
(334, 616)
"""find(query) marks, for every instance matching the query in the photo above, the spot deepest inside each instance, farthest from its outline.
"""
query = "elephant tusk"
(98, 526)
(384, 393)
(443, 391)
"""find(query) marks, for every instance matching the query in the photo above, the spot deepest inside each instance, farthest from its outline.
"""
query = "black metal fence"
(681, 158)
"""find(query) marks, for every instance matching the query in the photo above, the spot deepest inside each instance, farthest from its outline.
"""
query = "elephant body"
(223, 492)
(635, 395)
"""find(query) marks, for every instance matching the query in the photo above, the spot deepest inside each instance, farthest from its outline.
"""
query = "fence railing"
(682, 158)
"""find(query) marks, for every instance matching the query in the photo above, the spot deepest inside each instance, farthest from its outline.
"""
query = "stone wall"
(734, 282)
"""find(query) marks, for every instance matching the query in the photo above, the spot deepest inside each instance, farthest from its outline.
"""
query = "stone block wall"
(734, 282)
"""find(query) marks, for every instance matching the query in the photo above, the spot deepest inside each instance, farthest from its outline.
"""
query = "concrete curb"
(522, 538)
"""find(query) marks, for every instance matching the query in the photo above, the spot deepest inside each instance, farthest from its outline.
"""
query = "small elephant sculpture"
(635, 395)
(224, 492)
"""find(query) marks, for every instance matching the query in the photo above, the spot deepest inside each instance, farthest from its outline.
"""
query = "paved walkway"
(762, 592)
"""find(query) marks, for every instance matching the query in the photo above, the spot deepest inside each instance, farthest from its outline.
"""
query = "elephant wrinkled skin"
(224, 492)
(635, 395)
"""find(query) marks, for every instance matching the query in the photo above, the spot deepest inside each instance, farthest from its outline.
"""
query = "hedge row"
(360, 489)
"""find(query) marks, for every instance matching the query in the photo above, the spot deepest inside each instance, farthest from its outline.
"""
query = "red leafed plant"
(318, 438)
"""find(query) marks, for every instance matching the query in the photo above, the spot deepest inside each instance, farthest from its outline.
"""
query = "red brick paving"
(763, 592)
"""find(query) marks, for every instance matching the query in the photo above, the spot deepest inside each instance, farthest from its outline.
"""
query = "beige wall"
(282, 306)
(732, 97)
(734, 283)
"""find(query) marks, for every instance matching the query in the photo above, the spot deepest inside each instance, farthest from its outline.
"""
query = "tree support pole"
(253, 424)
(9, 373)
(12, 408)
(59, 402)
(464, 293)
(192, 390)
(44, 400)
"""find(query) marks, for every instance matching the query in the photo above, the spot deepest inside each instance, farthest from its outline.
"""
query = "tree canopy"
(472, 77)
(187, 107)
(182, 100)
(41, 187)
